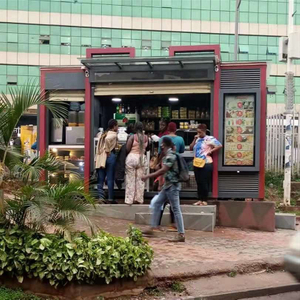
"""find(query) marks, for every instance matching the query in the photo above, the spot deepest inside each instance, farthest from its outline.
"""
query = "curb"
(235, 295)
(206, 270)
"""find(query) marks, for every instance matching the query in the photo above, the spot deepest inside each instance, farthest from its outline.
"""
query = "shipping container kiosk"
(230, 98)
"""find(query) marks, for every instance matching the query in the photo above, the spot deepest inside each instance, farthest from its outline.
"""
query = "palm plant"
(45, 207)
(11, 110)
(30, 172)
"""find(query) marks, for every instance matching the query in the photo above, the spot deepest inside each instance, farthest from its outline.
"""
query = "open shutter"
(152, 89)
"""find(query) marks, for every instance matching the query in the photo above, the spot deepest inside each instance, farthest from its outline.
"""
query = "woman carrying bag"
(136, 163)
(203, 146)
(106, 161)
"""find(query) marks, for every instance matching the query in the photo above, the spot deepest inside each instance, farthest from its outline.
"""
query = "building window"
(12, 38)
(146, 44)
(44, 39)
(165, 45)
(86, 42)
(244, 49)
(126, 43)
(225, 48)
(105, 43)
(12, 79)
(272, 50)
(65, 41)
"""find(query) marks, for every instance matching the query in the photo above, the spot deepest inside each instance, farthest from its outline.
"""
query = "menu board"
(239, 130)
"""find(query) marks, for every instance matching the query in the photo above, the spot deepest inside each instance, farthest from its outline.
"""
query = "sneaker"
(180, 238)
(102, 201)
(158, 229)
(112, 202)
(172, 229)
(148, 232)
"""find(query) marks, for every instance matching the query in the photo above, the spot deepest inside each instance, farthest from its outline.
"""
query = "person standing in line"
(130, 130)
(163, 131)
(178, 141)
(179, 144)
(170, 191)
(106, 160)
(163, 128)
(136, 165)
(203, 146)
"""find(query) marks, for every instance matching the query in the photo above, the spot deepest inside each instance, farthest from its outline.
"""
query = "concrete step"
(195, 221)
(126, 212)
(285, 221)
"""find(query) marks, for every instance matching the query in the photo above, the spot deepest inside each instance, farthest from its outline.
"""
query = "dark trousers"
(203, 178)
(109, 174)
(171, 214)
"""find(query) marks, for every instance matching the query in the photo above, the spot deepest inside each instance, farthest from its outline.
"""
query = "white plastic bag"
(153, 201)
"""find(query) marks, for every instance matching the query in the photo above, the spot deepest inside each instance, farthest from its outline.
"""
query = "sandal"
(198, 203)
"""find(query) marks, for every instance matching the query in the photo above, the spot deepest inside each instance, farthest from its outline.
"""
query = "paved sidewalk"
(206, 253)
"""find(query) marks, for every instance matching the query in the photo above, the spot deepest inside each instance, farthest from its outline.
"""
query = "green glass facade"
(67, 40)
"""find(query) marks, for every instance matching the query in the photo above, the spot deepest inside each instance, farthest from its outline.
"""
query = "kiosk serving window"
(239, 130)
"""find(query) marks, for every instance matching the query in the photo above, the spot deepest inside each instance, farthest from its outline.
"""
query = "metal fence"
(275, 149)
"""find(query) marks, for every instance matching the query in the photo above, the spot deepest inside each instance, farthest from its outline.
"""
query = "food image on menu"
(231, 130)
(239, 130)
(231, 138)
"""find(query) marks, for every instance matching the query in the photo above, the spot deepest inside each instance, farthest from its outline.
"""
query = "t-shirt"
(178, 141)
(203, 146)
(172, 176)
(161, 134)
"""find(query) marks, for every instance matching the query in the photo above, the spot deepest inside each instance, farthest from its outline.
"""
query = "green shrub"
(8, 294)
(51, 258)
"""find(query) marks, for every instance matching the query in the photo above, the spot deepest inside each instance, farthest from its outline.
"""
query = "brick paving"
(205, 251)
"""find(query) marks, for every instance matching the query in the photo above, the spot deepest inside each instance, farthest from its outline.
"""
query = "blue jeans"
(171, 194)
(109, 173)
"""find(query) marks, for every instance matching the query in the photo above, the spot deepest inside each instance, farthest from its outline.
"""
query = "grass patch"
(232, 274)
(8, 294)
(154, 291)
(177, 287)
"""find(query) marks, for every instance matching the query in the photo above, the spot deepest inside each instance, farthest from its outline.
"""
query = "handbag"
(198, 162)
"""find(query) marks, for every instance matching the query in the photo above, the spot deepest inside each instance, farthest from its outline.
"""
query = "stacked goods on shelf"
(184, 125)
(150, 112)
(192, 114)
(175, 114)
(183, 113)
(81, 118)
(73, 118)
(149, 125)
(159, 112)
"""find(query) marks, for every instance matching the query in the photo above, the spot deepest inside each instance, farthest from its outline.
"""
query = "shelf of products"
(187, 118)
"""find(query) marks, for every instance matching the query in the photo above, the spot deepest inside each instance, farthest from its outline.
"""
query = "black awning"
(124, 69)
(150, 62)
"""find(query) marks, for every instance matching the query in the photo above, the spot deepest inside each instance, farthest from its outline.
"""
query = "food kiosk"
(190, 86)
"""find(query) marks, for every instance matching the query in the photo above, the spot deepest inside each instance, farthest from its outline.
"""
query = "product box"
(75, 135)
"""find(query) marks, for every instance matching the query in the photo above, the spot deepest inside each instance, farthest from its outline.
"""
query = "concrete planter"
(77, 291)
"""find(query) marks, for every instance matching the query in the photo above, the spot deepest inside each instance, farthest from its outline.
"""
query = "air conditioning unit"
(294, 45)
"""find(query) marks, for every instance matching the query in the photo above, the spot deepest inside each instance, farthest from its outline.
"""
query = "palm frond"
(22, 98)
(32, 171)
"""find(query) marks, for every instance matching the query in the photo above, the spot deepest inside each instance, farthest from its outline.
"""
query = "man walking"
(170, 191)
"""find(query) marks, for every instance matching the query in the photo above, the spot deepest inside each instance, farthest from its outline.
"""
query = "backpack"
(183, 169)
